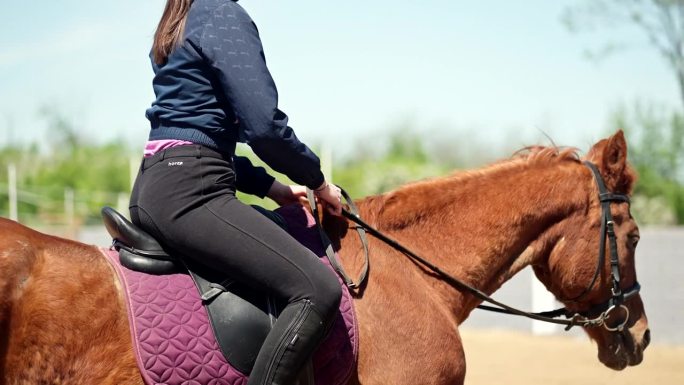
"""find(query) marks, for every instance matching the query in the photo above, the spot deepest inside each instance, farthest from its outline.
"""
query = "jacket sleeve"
(251, 179)
(230, 42)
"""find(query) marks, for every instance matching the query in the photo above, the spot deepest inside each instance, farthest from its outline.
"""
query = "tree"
(656, 136)
(656, 149)
(662, 21)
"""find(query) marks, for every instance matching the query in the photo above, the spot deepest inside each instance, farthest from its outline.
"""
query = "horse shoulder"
(408, 334)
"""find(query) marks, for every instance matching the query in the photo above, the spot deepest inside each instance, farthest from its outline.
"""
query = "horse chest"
(407, 338)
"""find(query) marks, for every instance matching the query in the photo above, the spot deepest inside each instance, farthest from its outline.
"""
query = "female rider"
(212, 90)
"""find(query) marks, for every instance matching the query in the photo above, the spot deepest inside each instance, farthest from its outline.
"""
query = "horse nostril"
(647, 338)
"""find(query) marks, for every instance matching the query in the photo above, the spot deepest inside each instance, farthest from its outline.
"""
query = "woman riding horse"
(63, 318)
(213, 89)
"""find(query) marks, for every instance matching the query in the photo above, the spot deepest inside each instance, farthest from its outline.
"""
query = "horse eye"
(633, 240)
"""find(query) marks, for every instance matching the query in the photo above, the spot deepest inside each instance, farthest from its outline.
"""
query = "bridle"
(583, 318)
(618, 297)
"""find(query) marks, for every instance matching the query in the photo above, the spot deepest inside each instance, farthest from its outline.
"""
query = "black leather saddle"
(241, 318)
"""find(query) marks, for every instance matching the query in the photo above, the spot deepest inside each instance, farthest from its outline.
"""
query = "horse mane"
(546, 154)
(429, 196)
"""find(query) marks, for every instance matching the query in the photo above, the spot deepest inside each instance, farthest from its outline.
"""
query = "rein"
(573, 319)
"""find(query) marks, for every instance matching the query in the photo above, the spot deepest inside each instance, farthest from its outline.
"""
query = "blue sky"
(496, 71)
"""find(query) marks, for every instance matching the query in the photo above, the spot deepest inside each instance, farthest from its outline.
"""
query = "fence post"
(69, 207)
(542, 300)
(12, 192)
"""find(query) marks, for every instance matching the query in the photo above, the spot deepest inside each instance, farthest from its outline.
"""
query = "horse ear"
(610, 155)
(615, 156)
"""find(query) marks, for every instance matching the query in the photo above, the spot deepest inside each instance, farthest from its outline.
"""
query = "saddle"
(240, 317)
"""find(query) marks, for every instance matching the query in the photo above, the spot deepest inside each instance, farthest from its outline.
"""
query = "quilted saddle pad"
(175, 344)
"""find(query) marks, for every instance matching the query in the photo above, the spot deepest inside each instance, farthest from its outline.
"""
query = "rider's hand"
(285, 195)
(331, 197)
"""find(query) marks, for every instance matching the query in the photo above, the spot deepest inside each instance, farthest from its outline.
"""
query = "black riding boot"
(293, 339)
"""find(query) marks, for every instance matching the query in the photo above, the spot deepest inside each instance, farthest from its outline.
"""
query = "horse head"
(574, 271)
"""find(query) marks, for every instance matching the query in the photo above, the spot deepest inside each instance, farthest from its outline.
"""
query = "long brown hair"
(170, 30)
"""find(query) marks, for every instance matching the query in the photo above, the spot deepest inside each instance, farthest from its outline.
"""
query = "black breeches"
(185, 196)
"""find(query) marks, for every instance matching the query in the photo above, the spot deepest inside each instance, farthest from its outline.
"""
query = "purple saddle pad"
(175, 344)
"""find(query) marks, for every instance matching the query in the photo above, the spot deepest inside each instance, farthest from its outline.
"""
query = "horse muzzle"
(624, 348)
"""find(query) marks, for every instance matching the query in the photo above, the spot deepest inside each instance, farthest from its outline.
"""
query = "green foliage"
(254, 200)
(656, 150)
(371, 171)
(401, 157)
(92, 175)
(655, 136)
(661, 22)
(85, 169)
(405, 159)
(68, 176)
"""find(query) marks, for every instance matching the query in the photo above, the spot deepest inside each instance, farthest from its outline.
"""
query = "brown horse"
(62, 318)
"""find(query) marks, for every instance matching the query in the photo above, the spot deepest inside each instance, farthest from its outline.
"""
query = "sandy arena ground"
(502, 357)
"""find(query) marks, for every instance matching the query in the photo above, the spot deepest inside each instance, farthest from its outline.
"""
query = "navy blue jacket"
(215, 90)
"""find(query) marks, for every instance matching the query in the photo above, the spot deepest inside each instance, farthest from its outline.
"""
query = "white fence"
(64, 210)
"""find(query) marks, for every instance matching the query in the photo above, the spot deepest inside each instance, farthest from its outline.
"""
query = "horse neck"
(481, 227)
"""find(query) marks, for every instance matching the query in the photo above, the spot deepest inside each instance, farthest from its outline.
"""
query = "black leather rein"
(603, 310)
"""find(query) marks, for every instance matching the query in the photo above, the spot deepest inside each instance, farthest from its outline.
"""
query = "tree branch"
(662, 22)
